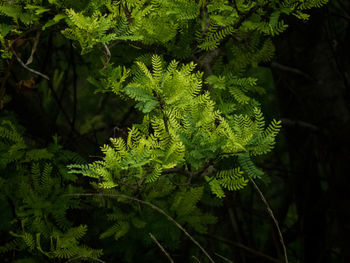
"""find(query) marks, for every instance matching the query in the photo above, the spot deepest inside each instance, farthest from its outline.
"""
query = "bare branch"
(28, 68)
(195, 258)
(224, 258)
(248, 249)
(161, 247)
(108, 54)
(269, 210)
(34, 47)
(292, 70)
(303, 124)
(75, 258)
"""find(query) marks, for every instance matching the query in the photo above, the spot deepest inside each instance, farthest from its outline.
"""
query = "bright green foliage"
(229, 179)
(90, 30)
(190, 69)
(181, 127)
(159, 21)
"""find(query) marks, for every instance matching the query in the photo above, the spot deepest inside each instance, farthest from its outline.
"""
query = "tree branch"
(303, 124)
(35, 45)
(161, 247)
(248, 249)
(78, 257)
(28, 68)
(156, 208)
(292, 70)
(108, 55)
(269, 210)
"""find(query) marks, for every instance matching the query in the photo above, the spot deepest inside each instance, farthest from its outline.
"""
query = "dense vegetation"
(176, 93)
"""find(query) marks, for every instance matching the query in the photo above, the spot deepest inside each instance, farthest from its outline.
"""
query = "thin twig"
(293, 70)
(108, 54)
(196, 259)
(269, 210)
(248, 249)
(161, 247)
(35, 45)
(96, 259)
(114, 43)
(28, 68)
(303, 124)
(224, 258)
(154, 207)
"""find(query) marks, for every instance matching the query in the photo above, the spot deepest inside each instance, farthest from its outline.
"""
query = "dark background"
(311, 73)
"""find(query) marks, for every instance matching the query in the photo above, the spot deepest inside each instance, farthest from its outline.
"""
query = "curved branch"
(156, 208)
(269, 210)
(161, 247)
(28, 68)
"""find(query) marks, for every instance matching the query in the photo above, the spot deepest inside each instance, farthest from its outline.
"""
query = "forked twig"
(35, 45)
(269, 210)
(154, 207)
(161, 247)
(28, 68)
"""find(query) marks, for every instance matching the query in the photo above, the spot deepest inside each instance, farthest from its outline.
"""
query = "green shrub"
(190, 69)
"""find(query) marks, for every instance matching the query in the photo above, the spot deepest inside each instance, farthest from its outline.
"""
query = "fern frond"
(249, 167)
(29, 240)
(308, 4)
(155, 174)
(185, 201)
(215, 186)
(239, 95)
(273, 129)
(259, 119)
(133, 138)
(232, 179)
(9, 132)
(45, 179)
(119, 229)
(157, 67)
(76, 232)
